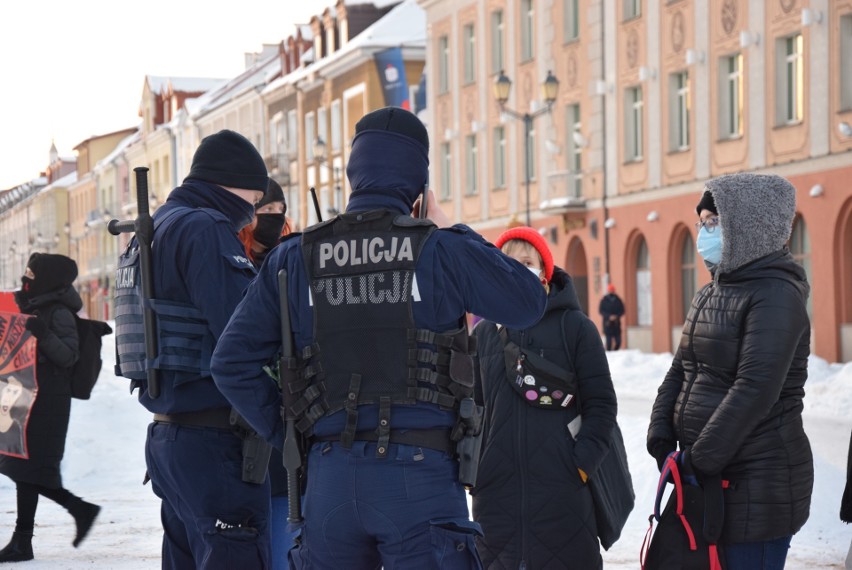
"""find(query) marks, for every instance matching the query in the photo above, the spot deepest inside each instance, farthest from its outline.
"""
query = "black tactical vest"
(184, 341)
(367, 349)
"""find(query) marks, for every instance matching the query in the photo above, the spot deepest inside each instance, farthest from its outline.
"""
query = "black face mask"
(268, 229)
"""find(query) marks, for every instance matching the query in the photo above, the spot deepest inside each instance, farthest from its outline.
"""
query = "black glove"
(660, 450)
(37, 327)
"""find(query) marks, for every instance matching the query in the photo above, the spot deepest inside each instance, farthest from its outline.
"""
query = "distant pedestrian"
(47, 293)
(612, 309)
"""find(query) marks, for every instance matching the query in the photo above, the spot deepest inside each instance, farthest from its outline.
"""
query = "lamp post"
(549, 90)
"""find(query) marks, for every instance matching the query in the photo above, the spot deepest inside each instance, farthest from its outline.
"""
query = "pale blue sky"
(70, 70)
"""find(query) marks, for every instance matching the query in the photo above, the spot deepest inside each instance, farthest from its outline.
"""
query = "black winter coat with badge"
(733, 395)
(529, 497)
(48, 423)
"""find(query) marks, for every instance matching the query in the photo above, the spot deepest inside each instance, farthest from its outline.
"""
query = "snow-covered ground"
(104, 463)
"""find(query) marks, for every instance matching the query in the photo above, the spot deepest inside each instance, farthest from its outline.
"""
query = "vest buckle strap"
(383, 431)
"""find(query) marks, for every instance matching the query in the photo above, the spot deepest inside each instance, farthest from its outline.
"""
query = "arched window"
(643, 285)
(800, 247)
(688, 274)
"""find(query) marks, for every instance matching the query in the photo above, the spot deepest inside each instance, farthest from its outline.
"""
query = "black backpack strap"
(569, 341)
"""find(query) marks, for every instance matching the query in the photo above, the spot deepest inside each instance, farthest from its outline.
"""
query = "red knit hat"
(534, 238)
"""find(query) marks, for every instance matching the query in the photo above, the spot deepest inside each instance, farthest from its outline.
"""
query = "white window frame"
(633, 125)
(527, 22)
(336, 126)
(322, 125)
(632, 9)
(471, 165)
(443, 64)
(445, 192)
(571, 20)
(292, 132)
(731, 96)
(278, 134)
(789, 97)
(845, 62)
(498, 41)
(310, 135)
(679, 109)
(499, 139)
(574, 156)
(469, 56)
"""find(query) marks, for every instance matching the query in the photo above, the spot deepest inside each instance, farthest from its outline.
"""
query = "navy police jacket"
(199, 260)
(457, 272)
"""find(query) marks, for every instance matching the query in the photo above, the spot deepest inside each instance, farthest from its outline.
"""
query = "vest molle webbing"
(367, 349)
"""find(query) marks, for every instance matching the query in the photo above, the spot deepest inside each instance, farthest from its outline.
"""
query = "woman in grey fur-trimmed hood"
(732, 399)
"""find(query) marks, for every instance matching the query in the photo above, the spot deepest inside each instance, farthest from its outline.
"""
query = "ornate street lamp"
(549, 92)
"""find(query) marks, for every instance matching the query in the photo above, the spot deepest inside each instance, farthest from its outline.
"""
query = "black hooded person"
(211, 516)
(47, 293)
(377, 301)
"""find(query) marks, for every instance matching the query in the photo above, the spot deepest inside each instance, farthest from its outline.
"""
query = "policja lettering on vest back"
(368, 269)
(368, 289)
(354, 252)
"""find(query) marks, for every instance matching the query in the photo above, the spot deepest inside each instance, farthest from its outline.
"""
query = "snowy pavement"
(104, 463)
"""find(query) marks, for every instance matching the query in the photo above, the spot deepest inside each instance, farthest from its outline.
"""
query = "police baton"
(143, 226)
(316, 204)
(291, 453)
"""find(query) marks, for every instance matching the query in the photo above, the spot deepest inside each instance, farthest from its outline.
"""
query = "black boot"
(84, 515)
(19, 549)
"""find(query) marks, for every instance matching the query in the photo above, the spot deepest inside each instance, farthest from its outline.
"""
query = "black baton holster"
(256, 451)
(470, 444)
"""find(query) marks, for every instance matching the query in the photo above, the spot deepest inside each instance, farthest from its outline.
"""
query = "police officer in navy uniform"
(377, 304)
(211, 517)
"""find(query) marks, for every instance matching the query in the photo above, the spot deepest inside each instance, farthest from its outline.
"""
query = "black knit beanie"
(227, 158)
(397, 120)
(707, 203)
(52, 272)
(274, 193)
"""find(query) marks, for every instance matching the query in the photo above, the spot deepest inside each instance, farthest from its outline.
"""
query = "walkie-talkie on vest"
(143, 226)
(292, 454)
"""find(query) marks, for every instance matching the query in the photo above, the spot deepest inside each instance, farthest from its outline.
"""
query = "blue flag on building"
(391, 70)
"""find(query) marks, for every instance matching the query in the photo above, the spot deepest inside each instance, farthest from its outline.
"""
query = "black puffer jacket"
(529, 498)
(48, 423)
(734, 395)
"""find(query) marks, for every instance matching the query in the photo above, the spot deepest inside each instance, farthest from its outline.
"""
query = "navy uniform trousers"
(406, 511)
(189, 467)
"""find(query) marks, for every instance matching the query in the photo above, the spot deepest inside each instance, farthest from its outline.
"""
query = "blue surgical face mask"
(709, 245)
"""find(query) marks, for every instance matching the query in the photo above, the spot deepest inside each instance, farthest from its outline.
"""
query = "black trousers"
(613, 340)
(28, 502)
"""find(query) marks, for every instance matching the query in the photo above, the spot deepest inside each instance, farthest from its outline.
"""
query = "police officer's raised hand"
(433, 211)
